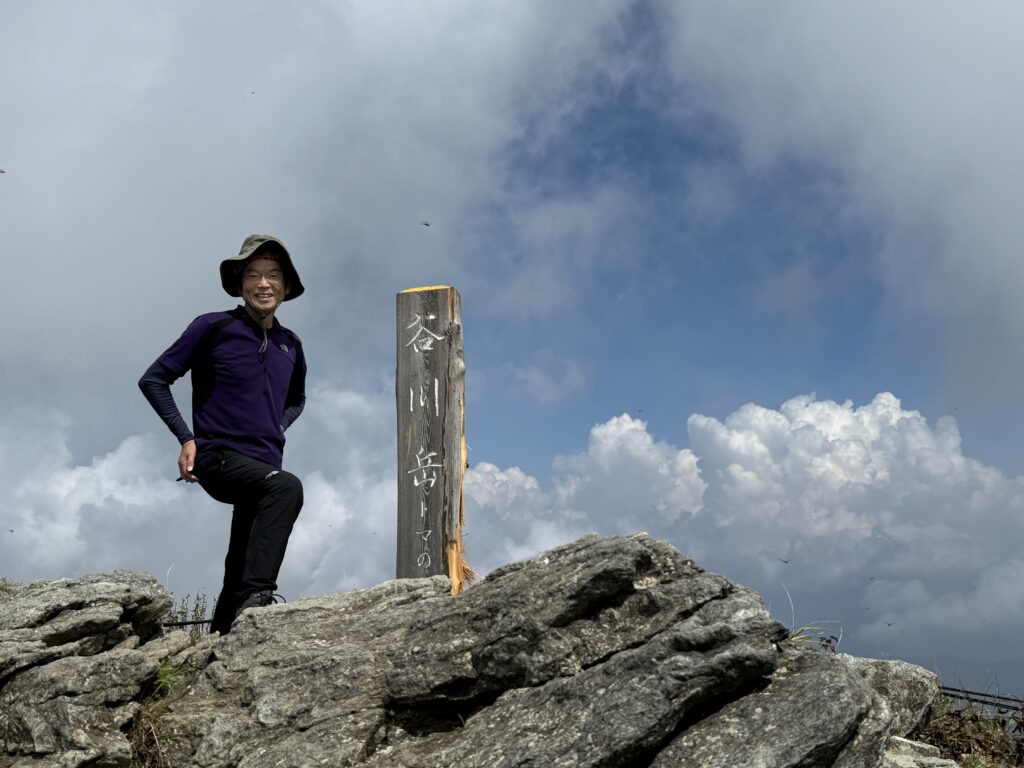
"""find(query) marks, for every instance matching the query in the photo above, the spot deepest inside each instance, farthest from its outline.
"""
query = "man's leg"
(234, 565)
(276, 510)
(267, 502)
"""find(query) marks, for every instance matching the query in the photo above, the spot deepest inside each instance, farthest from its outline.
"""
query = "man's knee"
(286, 484)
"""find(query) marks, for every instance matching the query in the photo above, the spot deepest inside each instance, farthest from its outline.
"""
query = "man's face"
(263, 286)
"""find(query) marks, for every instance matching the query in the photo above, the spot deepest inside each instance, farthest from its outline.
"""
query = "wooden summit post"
(430, 389)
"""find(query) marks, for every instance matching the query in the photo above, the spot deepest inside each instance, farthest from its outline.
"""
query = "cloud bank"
(865, 514)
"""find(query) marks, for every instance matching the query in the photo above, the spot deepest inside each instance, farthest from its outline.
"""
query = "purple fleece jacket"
(248, 385)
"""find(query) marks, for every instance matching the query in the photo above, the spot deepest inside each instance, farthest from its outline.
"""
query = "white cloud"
(882, 519)
(509, 517)
(131, 174)
(121, 510)
(343, 448)
(624, 481)
(816, 477)
(625, 469)
(345, 536)
(877, 513)
(511, 494)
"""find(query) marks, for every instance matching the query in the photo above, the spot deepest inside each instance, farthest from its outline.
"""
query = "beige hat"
(229, 268)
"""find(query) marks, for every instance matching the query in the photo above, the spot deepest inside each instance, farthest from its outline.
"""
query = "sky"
(744, 277)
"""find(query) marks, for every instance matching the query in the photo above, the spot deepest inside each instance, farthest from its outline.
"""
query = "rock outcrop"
(71, 673)
(604, 652)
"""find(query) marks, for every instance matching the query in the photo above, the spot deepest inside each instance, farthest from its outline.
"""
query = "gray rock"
(48, 620)
(818, 710)
(604, 652)
(587, 655)
(904, 753)
(62, 610)
(907, 761)
(900, 746)
(171, 644)
(75, 704)
(65, 694)
(909, 690)
(806, 716)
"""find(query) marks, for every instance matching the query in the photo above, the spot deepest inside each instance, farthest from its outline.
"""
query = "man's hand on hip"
(186, 462)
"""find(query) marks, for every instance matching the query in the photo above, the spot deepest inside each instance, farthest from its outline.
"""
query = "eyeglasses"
(274, 276)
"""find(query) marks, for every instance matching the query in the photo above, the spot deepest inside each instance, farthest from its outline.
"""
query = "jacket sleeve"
(296, 398)
(156, 386)
(168, 368)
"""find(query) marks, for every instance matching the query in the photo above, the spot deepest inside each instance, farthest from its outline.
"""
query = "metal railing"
(1007, 710)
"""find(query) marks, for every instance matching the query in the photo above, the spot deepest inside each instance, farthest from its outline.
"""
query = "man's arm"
(292, 413)
(156, 386)
(295, 401)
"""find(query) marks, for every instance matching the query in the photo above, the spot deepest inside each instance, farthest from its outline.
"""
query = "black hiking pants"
(266, 503)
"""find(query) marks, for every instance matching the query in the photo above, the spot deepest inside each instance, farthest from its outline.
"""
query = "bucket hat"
(229, 268)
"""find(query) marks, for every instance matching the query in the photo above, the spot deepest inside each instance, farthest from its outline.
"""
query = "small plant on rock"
(811, 635)
(818, 638)
(7, 588)
(146, 735)
(192, 611)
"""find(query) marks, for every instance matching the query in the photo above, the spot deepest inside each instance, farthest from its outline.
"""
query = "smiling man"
(248, 386)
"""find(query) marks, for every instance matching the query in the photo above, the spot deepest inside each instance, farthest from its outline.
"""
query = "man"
(248, 386)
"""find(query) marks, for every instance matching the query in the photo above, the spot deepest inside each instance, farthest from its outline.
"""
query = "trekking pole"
(184, 623)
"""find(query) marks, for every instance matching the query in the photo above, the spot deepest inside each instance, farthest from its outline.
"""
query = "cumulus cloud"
(860, 513)
(855, 498)
(624, 481)
(863, 514)
(121, 510)
(816, 478)
(344, 449)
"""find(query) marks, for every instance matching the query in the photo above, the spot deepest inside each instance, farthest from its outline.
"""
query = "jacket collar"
(243, 314)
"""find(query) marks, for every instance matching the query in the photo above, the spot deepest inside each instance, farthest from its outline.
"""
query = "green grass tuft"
(7, 588)
(814, 636)
(147, 734)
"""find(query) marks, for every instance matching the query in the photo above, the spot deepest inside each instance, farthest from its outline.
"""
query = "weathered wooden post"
(430, 388)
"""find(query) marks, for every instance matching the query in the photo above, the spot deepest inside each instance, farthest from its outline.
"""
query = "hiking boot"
(259, 599)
